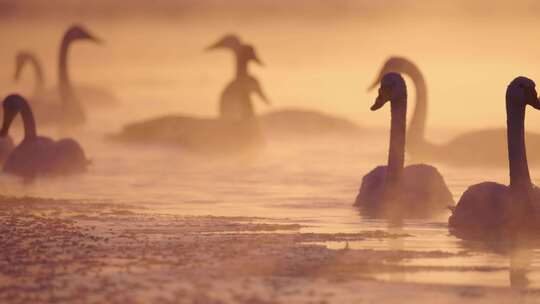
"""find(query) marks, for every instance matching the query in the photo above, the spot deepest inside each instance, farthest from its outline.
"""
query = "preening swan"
(38, 155)
(395, 190)
(480, 148)
(65, 107)
(89, 95)
(489, 206)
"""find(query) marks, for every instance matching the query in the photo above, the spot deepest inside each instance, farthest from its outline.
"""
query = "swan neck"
(520, 179)
(64, 80)
(67, 95)
(38, 73)
(417, 127)
(241, 66)
(29, 122)
(396, 154)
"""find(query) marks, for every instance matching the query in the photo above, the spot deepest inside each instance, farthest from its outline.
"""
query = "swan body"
(299, 122)
(38, 155)
(489, 207)
(6, 146)
(423, 192)
(89, 95)
(235, 101)
(395, 190)
(210, 136)
(481, 148)
(176, 129)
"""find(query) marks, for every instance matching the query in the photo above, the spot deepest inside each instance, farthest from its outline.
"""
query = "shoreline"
(75, 251)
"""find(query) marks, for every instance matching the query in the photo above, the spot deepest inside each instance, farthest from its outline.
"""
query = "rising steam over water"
(317, 55)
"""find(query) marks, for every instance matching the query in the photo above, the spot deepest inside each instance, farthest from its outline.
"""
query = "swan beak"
(97, 40)
(535, 104)
(258, 61)
(379, 102)
(93, 38)
(214, 46)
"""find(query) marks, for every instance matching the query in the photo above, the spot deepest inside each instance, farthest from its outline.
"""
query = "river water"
(312, 180)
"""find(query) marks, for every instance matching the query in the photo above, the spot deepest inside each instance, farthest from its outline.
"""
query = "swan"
(221, 135)
(38, 155)
(63, 106)
(235, 102)
(301, 122)
(482, 148)
(6, 146)
(488, 206)
(286, 121)
(89, 95)
(394, 190)
(24, 58)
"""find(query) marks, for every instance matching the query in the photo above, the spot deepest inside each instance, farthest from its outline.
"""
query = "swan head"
(229, 41)
(247, 52)
(396, 64)
(12, 106)
(392, 88)
(523, 91)
(79, 32)
(20, 60)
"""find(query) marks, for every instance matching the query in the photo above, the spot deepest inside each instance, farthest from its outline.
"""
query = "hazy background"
(317, 54)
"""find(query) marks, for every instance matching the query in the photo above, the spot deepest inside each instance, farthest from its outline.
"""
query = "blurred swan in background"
(488, 207)
(235, 101)
(63, 106)
(239, 125)
(88, 95)
(480, 148)
(395, 190)
(237, 129)
(25, 58)
(282, 122)
(38, 155)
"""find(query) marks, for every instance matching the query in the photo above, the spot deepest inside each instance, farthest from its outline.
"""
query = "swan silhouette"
(488, 206)
(286, 121)
(38, 155)
(89, 95)
(24, 58)
(238, 130)
(63, 107)
(395, 190)
(482, 148)
(235, 101)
